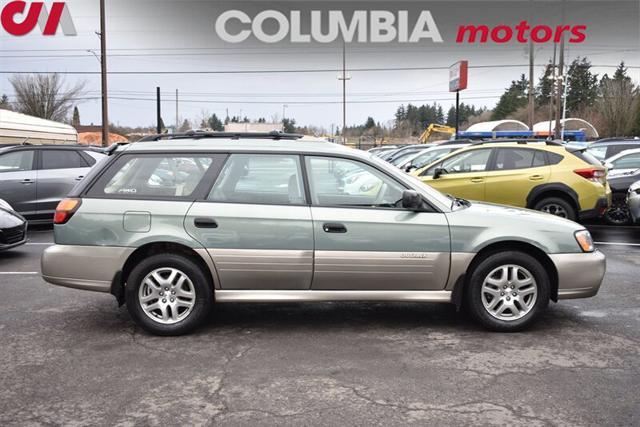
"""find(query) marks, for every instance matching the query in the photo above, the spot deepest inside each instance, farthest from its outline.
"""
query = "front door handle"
(477, 179)
(27, 181)
(334, 227)
(80, 178)
(536, 177)
(205, 223)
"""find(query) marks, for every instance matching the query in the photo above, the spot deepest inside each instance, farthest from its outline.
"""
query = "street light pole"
(284, 106)
(103, 73)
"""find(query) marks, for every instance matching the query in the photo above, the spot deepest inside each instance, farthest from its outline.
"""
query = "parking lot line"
(18, 273)
(39, 243)
(617, 244)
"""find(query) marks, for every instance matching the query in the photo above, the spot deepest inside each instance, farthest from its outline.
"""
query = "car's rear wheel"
(556, 206)
(507, 291)
(168, 295)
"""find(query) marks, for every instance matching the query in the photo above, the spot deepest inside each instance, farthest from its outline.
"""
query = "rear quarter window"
(155, 176)
(586, 157)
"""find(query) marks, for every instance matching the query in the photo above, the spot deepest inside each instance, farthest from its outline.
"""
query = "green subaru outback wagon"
(173, 225)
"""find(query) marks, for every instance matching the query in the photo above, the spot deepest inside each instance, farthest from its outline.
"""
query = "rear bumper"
(580, 274)
(633, 201)
(600, 208)
(90, 268)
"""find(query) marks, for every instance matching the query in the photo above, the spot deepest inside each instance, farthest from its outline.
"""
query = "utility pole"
(560, 89)
(344, 79)
(158, 112)
(177, 124)
(531, 100)
(103, 73)
(553, 76)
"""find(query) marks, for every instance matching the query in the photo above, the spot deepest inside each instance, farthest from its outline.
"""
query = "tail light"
(592, 174)
(65, 210)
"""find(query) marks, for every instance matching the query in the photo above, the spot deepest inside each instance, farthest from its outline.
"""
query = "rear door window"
(630, 161)
(260, 179)
(16, 161)
(62, 159)
(162, 176)
(514, 158)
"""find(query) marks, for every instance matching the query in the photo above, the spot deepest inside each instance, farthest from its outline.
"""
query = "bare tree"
(45, 95)
(617, 106)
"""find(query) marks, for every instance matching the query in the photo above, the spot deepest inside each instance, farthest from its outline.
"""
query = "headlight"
(5, 205)
(583, 237)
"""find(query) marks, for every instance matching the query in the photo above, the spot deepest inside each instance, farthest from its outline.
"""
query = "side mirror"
(438, 172)
(411, 200)
(608, 165)
(410, 168)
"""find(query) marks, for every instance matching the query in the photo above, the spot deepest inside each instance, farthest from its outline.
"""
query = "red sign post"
(458, 81)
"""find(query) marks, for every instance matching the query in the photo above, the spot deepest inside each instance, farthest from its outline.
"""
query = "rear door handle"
(334, 227)
(477, 179)
(80, 178)
(536, 177)
(27, 181)
(205, 223)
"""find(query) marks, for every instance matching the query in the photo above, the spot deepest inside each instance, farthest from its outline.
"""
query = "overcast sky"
(152, 36)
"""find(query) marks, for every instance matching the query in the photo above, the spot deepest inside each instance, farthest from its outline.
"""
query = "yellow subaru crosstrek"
(544, 176)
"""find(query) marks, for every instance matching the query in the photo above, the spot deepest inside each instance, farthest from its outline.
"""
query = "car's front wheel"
(168, 295)
(507, 291)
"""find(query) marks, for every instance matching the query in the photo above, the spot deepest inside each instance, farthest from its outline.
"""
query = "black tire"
(551, 205)
(473, 292)
(201, 285)
(618, 213)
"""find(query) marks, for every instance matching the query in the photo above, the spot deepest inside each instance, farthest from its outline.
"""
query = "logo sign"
(458, 76)
(374, 26)
(19, 18)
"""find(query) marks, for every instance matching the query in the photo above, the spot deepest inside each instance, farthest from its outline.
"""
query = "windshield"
(429, 157)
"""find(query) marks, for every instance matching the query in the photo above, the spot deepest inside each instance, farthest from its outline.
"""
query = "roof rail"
(513, 140)
(456, 141)
(275, 135)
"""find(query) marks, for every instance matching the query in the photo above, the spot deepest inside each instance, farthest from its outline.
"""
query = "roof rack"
(456, 141)
(523, 141)
(275, 135)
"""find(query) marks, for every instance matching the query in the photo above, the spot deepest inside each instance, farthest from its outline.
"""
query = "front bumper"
(13, 245)
(633, 201)
(90, 268)
(579, 274)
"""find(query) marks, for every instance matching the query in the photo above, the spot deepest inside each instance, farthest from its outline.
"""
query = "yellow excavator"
(435, 128)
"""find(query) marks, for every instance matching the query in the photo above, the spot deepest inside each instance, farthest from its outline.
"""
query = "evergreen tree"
(215, 124)
(4, 102)
(75, 120)
(514, 98)
(370, 123)
(582, 90)
(544, 89)
(289, 125)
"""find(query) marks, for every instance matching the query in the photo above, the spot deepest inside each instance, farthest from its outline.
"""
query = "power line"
(283, 71)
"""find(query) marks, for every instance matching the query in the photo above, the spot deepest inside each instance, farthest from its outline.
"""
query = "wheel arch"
(556, 189)
(462, 283)
(154, 248)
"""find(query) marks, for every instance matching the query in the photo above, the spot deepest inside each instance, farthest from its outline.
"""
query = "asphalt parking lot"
(74, 357)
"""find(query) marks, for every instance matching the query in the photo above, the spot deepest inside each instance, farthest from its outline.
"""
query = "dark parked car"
(605, 148)
(13, 227)
(34, 178)
(618, 212)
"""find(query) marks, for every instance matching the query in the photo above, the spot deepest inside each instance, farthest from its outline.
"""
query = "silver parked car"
(633, 201)
(34, 178)
(170, 227)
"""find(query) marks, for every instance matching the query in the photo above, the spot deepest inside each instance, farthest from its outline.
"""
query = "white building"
(16, 128)
(252, 127)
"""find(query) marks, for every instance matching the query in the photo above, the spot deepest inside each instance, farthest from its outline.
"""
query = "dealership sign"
(19, 18)
(458, 76)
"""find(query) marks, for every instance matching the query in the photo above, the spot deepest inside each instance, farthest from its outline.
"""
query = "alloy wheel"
(167, 295)
(555, 209)
(509, 292)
